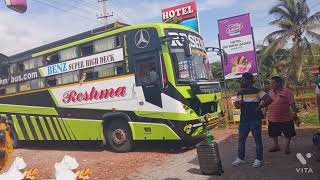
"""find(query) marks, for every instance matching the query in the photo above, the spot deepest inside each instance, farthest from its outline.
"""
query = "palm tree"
(296, 26)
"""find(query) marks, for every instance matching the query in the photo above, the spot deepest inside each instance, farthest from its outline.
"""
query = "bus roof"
(98, 33)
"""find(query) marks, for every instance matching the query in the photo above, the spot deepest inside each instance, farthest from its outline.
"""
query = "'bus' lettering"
(74, 96)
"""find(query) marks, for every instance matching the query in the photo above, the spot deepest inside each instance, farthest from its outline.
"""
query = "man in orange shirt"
(282, 114)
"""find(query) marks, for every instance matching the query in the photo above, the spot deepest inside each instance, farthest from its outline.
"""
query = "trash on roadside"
(65, 167)
(14, 172)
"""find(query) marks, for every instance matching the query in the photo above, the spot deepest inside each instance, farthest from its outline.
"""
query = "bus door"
(143, 46)
(148, 79)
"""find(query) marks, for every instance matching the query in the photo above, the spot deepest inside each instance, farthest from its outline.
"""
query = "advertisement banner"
(184, 14)
(83, 63)
(236, 38)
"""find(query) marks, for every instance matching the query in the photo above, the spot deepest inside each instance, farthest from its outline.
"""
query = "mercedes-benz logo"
(142, 38)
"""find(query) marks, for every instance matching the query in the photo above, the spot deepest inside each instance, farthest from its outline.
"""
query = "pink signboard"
(17, 5)
(236, 38)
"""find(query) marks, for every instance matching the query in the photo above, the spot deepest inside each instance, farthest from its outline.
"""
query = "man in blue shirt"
(250, 100)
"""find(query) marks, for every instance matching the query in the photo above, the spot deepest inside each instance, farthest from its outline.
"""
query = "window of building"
(70, 77)
(11, 89)
(86, 50)
(69, 53)
(52, 58)
(37, 83)
(24, 86)
(106, 44)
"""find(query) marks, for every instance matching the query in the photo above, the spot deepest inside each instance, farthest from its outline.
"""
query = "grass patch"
(311, 118)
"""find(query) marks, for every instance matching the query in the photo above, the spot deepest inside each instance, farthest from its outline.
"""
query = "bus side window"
(51, 81)
(11, 89)
(86, 49)
(4, 71)
(14, 68)
(2, 91)
(69, 53)
(70, 77)
(53, 58)
(37, 83)
(119, 68)
(24, 86)
(146, 74)
(87, 74)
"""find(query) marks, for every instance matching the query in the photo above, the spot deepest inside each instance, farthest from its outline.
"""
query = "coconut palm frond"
(313, 35)
(314, 19)
(276, 45)
(283, 23)
(308, 48)
(274, 35)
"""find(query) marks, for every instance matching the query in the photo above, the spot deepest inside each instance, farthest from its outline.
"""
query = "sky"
(50, 20)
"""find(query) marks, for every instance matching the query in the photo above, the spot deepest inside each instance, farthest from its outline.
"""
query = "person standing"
(282, 114)
(250, 100)
(317, 91)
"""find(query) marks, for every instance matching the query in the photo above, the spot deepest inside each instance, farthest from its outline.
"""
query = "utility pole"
(105, 13)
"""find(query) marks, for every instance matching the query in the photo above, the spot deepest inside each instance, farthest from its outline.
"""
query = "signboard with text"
(83, 63)
(184, 14)
(236, 38)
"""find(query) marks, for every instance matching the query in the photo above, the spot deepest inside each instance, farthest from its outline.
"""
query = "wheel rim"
(119, 136)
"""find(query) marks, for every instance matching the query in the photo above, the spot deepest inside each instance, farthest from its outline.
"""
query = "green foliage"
(217, 71)
(311, 118)
(296, 25)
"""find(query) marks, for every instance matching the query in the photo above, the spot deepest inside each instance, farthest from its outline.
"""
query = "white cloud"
(26, 31)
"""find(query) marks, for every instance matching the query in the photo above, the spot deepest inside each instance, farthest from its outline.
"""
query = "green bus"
(116, 84)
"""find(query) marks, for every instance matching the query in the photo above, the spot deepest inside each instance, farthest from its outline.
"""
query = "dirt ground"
(104, 163)
(155, 161)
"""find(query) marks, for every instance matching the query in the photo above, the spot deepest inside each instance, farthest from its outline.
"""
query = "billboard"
(236, 38)
(184, 14)
(17, 5)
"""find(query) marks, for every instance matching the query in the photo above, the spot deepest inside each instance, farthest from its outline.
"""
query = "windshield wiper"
(202, 79)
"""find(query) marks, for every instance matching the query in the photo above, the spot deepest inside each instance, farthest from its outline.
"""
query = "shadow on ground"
(96, 146)
(276, 165)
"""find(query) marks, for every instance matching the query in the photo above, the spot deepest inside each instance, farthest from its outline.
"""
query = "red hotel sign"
(182, 12)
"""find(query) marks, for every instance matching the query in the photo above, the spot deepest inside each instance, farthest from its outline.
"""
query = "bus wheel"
(119, 136)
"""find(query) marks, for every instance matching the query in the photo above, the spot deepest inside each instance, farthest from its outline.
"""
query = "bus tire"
(119, 136)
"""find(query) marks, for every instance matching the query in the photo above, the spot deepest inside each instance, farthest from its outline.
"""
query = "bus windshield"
(194, 68)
